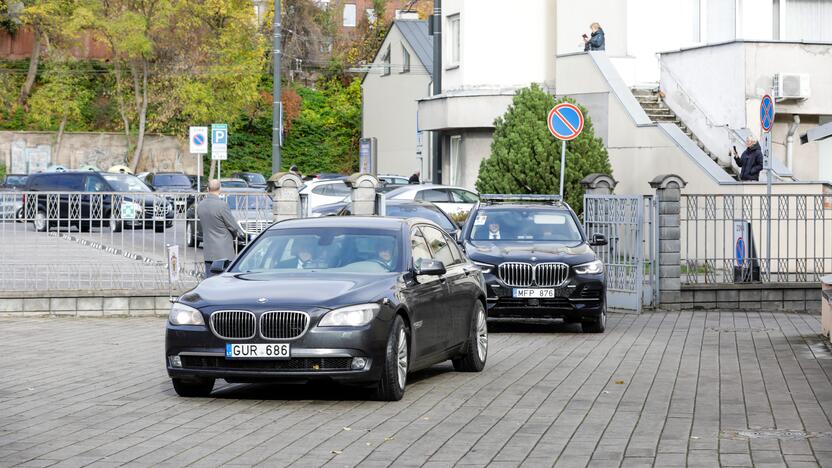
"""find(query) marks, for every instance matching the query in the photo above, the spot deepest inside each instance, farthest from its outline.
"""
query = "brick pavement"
(659, 389)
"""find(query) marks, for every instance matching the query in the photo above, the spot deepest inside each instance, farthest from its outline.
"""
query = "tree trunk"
(213, 168)
(142, 111)
(59, 140)
(122, 110)
(33, 69)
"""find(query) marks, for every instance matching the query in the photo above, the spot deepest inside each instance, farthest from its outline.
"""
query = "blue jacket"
(596, 42)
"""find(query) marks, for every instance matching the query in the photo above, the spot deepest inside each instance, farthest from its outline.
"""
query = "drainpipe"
(790, 142)
(436, 176)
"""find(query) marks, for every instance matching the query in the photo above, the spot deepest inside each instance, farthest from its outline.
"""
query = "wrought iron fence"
(725, 238)
(111, 240)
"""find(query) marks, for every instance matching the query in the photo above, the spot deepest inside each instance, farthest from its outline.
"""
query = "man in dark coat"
(219, 228)
(596, 42)
(751, 161)
(414, 179)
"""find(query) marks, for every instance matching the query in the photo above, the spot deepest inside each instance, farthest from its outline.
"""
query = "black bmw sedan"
(357, 300)
(537, 260)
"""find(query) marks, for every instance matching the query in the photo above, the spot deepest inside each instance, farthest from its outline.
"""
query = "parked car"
(398, 209)
(537, 260)
(390, 179)
(172, 182)
(327, 176)
(357, 300)
(324, 192)
(14, 181)
(451, 199)
(203, 182)
(11, 205)
(135, 207)
(233, 183)
(251, 208)
(253, 179)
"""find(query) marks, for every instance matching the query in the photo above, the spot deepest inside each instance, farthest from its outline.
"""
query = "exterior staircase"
(651, 101)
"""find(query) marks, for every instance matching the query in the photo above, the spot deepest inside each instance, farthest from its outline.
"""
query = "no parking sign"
(565, 122)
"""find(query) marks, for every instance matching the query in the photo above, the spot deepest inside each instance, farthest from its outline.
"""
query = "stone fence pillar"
(598, 184)
(363, 194)
(285, 190)
(668, 197)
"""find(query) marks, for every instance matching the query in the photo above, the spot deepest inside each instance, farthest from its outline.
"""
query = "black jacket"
(596, 42)
(751, 162)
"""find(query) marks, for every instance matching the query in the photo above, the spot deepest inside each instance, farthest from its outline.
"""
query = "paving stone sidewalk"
(658, 389)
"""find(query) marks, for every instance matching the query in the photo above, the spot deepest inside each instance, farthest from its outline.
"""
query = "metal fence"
(108, 240)
(630, 257)
(725, 238)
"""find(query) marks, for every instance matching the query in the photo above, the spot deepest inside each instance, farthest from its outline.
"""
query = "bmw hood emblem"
(262, 300)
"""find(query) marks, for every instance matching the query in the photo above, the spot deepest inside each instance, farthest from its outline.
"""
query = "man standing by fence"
(219, 228)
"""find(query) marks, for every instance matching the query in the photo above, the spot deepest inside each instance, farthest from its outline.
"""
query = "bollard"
(826, 306)
(285, 190)
(363, 194)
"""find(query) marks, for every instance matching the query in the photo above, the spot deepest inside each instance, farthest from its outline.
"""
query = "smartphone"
(584, 36)
(735, 149)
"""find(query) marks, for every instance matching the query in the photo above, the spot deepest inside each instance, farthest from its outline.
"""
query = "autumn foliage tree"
(525, 157)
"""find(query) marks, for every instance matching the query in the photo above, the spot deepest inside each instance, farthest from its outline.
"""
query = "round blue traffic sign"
(767, 113)
(740, 252)
(199, 139)
(566, 121)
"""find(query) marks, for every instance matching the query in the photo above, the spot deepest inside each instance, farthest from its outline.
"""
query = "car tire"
(159, 227)
(193, 388)
(40, 221)
(597, 325)
(190, 237)
(476, 348)
(18, 216)
(393, 379)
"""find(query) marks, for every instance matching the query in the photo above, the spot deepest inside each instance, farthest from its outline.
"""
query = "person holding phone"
(751, 160)
(596, 41)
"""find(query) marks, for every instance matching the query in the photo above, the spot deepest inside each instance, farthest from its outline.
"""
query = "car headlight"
(353, 316)
(592, 268)
(180, 314)
(484, 267)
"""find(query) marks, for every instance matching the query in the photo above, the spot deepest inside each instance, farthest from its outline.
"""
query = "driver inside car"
(385, 254)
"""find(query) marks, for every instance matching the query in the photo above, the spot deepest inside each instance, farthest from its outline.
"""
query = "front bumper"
(320, 354)
(582, 297)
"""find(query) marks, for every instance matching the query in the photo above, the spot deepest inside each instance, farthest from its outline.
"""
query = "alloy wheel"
(402, 359)
(482, 335)
(40, 221)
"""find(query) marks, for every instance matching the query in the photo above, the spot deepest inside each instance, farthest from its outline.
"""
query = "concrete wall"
(390, 109)
(712, 88)
(161, 153)
(796, 297)
(487, 56)
(475, 146)
(86, 304)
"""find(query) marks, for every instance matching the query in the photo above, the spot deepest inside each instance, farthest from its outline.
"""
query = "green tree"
(525, 157)
(59, 101)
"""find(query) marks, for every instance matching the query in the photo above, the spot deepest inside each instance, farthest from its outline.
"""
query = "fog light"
(175, 361)
(358, 363)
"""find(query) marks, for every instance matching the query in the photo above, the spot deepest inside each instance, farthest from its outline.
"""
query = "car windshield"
(125, 183)
(172, 180)
(248, 202)
(525, 224)
(255, 178)
(416, 211)
(323, 250)
(234, 184)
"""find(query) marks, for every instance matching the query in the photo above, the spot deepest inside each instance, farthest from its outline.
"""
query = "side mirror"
(598, 240)
(428, 267)
(218, 266)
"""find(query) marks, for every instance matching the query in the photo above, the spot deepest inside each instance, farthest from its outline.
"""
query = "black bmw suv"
(537, 260)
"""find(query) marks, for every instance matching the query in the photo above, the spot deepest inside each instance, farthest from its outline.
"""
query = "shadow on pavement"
(532, 326)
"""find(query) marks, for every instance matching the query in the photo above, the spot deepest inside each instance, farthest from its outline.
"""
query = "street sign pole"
(562, 165)
(566, 121)
(767, 113)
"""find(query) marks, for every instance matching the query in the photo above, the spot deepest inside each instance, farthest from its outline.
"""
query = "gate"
(630, 257)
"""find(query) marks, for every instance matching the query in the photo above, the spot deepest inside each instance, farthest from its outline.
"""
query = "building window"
(453, 32)
(349, 15)
(386, 60)
(405, 60)
(456, 156)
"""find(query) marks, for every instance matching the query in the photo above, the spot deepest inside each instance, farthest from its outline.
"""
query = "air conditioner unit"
(791, 86)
